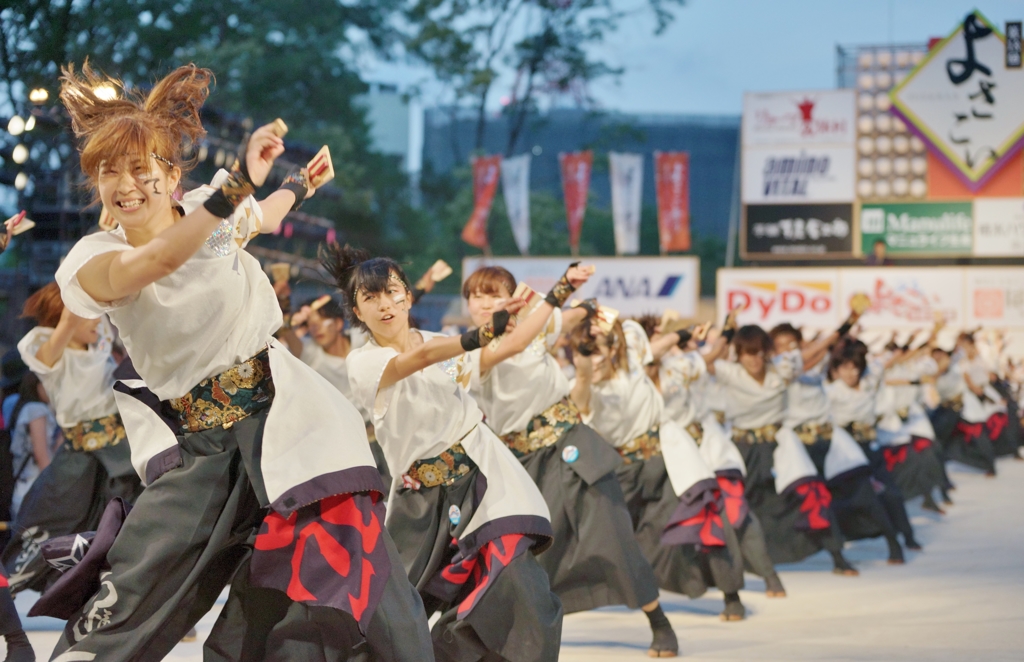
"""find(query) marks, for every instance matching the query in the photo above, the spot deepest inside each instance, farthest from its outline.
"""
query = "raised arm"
(526, 330)
(116, 275)
(51, 350)
(580, 393)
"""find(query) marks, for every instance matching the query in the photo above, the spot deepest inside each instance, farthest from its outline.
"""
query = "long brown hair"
(165, 121)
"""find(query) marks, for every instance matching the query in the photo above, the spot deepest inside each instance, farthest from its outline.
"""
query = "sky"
(717, 49)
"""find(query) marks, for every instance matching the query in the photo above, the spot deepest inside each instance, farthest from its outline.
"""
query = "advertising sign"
(803, 297)
(812, 117)
(627, 179)
(936, 228)
(633, 286)
(798, 230)
(905, 297)
(995, 296)
(965, 100)
(779, 174)
(999, 227)
(515, 186)
(575, 168)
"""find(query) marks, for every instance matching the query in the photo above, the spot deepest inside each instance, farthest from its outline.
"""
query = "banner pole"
(734, 209)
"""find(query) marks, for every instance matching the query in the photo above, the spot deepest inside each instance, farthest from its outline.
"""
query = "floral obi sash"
(444, 469)
(644, 447)
(545, 429)
(809, 433)
(224, 399)
(762, 435)
(862, 433)
(95, 434)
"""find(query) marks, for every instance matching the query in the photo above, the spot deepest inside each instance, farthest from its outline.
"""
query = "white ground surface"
(961, 599)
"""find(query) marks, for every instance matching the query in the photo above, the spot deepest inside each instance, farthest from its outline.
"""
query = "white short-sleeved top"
(512, 392)
(683, 386)
(627, 405)
(856, 405)
(751, 405)
(80, 382)
(419, 416)
(215, 311)
(806, 400)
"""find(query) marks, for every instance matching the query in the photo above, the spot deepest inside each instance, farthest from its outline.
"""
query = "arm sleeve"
(71, 292)
(638, 347)
(726, 372)
(365, 369)
(553, 329)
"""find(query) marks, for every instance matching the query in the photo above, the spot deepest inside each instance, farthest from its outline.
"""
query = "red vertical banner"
(576, 168)
(485, 184)
(672, 180)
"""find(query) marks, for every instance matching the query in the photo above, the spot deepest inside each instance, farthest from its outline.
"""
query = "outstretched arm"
(116, 275)
(51, 350)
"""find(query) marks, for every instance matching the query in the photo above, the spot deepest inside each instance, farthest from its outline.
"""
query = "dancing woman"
(852, 394)
(782, 484)
(685, 386)
(839, 460)
(672, 496)
(264, 456)
(594, 560)
(71, 356)
(464, 513)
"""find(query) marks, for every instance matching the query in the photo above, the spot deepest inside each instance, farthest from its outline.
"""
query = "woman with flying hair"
(782, 483)
(594, 560)
(672, 496)
(247, 454)
(72, 357)
(466, 517)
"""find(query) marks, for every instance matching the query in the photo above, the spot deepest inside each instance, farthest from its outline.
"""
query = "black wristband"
(844, 329)
(499, 322)
(236, 188)
(298, 184)
(559, 294)
(684, 338)
(471, 340)
(728, 334)
(417, 292)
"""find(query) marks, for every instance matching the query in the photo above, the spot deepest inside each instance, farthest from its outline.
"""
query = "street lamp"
(39, 95)
(21, 181)
(16, 126)
(20, 154)
(30, 123)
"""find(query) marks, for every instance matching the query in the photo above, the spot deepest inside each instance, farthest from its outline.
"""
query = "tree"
(544, 42)
(272, 58)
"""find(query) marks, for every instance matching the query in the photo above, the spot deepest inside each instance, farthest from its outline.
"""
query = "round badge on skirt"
(570, 454)
(455, 515)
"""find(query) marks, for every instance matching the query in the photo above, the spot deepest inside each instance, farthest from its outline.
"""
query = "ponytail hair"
(352, 270)
(164, 122)
(45, 306)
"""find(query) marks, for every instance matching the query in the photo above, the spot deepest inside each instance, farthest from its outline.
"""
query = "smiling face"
(385, 313)
(482, 306)
(849, 373)
(135, 191)
(753, 363)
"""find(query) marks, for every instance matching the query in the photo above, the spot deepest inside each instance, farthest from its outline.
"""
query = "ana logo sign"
(767, 298)
(639, 287)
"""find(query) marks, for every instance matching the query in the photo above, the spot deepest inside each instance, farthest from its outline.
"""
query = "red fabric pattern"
(995, 425)
(816, 501)
(707, 525)
(478, 571)
(347, 566)
(734, 497)
(894, 455)
(970, 431)
(919, 444)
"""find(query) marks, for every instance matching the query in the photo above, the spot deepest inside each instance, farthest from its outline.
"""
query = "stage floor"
(959, 599)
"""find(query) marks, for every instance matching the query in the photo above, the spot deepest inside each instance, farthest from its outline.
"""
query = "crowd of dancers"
(175, 430)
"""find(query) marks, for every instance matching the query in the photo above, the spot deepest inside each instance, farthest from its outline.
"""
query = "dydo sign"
(804, 297)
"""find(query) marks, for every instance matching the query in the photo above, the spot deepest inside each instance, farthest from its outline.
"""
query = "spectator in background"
(34, 438)
(13, 370)
(878, 257)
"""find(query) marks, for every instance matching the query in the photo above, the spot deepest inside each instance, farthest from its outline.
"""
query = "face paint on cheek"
(152, 184)
(399, 299)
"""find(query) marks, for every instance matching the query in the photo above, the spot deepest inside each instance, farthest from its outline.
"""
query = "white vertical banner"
(515, 186)
(627, 173)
